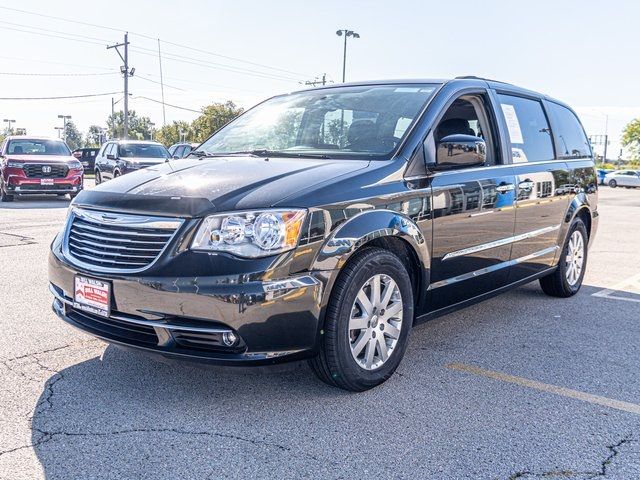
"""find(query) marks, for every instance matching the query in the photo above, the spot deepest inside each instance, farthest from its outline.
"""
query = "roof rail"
(473, 77)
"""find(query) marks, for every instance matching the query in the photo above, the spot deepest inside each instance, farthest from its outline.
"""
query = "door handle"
(505, 187)
(525, 185)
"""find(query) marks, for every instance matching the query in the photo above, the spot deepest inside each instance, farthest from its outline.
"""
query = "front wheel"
(367, 323)
(613, 183)
(98, 177)
(566, 280)
(4, 197)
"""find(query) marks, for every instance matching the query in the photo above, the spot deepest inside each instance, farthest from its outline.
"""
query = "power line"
(29, 74)
(53, 36)
(40, 61)
(54, 31)
(168, 104)
(62, 97)
(158, 83)
(207, 52)
(215, 66)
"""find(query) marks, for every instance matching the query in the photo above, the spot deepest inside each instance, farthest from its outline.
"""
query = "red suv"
(30, 165)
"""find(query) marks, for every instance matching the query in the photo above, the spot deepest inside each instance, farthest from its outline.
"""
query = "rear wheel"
(566, 280)
(367, 323)
(613, 183)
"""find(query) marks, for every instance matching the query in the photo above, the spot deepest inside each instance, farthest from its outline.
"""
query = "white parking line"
(630, 285)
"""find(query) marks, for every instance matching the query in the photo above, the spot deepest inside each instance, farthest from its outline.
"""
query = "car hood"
(41, 158)
(215, 184)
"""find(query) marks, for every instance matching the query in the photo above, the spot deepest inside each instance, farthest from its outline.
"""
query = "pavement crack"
(614, 451)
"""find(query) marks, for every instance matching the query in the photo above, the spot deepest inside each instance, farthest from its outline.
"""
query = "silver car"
(623, 178)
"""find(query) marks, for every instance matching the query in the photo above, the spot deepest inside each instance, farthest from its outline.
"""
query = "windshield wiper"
(259, 153)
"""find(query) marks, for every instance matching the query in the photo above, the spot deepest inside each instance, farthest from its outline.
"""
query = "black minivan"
(324, 224)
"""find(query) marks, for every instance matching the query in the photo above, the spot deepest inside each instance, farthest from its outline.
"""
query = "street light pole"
(346, 33)
(59, 129)
(64, 125)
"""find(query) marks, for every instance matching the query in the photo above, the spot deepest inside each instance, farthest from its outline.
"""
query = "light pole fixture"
(151, 125)
(64, 125)
(346, 33)
(6, 120)
(59, 129)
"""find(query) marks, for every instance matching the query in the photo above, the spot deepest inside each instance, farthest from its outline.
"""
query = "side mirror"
(455, 151)
(176, 157)
(111, 156)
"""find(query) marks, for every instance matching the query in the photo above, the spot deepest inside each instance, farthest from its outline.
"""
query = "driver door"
(472, 209)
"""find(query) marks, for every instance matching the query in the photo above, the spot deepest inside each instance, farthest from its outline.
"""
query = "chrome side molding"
(501, 242)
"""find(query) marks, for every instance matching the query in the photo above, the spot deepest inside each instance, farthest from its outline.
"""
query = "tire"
(558, 283)
(98, 177)
(337, 364)
(613, 183)
(4, 197)
(116, 174)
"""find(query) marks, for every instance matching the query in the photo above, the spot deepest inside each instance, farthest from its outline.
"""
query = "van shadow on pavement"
(125, 415)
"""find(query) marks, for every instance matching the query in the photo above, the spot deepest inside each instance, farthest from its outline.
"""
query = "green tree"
(213, 117)
(72, 135)
(170, 134)
(631, 137)
(93, 136)
(139, 127)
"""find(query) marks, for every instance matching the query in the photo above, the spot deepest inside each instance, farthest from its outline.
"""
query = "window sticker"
(515, 134)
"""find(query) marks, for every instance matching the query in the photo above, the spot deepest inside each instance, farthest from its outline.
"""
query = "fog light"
(229, 338)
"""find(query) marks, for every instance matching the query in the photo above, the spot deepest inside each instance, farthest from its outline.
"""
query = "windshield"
(142, 150)
(37, 147)
(345, 122)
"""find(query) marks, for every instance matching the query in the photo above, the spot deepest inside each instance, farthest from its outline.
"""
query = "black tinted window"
(571, 139)
(528, 129)
(142, 150)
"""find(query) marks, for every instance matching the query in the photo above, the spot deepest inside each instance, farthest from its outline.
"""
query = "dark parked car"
(87, 157)
(181, 150)
(36, 166)
(325, 224)
(118, 157)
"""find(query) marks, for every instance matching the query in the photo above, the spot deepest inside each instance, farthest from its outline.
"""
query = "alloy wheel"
(575, 258)
(375, 322)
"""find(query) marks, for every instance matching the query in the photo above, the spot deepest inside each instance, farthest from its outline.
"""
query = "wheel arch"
(579, 207)
(386, 229)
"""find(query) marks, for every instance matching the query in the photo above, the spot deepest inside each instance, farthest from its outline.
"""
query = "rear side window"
(528, 129)
(571, 141)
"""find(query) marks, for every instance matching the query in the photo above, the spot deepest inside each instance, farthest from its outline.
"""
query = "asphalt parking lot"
(522, 386)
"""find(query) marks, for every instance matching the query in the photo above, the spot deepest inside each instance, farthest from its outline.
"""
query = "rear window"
(528, 129)
(571, 141)
(37, 147)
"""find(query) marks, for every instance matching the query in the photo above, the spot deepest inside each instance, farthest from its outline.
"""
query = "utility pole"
(6, 120)
(316, 81)
(126, 73)
(164, 115)
(64, 125)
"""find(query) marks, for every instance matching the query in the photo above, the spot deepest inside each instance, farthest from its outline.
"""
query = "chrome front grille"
(115, 242)
(37, 170)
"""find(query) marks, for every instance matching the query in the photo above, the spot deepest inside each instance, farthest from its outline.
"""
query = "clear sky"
(583, 52)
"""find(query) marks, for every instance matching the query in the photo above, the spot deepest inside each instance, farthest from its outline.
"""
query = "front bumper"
(186, 317)
(19, 184)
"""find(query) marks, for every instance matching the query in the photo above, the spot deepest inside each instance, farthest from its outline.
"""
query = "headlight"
(14, 164)
(76, 165)
(131, 165)
(250, 234)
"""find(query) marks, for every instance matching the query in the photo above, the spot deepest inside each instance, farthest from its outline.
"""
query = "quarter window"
(528, 129)
(571, 140)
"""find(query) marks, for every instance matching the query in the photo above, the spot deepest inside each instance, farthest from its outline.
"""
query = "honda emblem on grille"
(46, 169)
